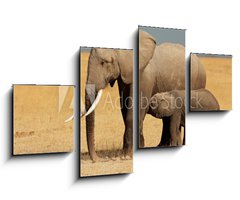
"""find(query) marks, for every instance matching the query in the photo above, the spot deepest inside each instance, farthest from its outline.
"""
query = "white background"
(39, 43)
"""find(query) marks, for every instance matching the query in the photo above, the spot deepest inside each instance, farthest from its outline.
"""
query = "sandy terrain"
(109, 129)
(152, 131)
(117, 166)
(112, 163)
(39, 116)
(219, 79)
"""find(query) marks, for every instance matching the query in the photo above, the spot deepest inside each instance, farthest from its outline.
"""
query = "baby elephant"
(171, 106)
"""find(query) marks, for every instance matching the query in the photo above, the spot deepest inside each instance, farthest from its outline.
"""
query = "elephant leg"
(144, 106)
(166, 137)
(146, 86)
(174, 129)
(183, 141)
(128, 134)
(124, 91)
(141, 137)
(126, 110)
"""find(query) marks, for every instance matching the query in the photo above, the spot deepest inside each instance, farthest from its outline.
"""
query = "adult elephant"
(105, 66)
(162, 69)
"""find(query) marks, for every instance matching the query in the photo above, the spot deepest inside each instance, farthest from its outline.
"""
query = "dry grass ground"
(219, 79)
(38, 123)
(112, 165)
(109, 129)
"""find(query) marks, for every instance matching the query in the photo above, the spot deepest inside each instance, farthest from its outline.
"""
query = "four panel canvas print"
(161, 87)
(43, 114)
(214, 73)
(106, 111)
(39, 113)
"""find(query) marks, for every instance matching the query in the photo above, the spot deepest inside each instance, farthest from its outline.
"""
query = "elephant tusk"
(94, 105)
(92, 108)
(82, 114)
(69, 119)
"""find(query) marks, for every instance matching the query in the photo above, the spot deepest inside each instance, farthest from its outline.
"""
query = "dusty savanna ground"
(39, 123)
(109, 129)
(219, 79)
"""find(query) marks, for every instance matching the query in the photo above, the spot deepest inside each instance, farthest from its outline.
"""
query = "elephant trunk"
(90, 129)
(91, 101)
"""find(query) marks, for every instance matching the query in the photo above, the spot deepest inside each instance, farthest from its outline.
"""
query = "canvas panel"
(39, 113)
(162, 73)
(217, 73)
(99, 68)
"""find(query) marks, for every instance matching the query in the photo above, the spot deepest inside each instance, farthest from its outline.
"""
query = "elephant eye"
(102, 62)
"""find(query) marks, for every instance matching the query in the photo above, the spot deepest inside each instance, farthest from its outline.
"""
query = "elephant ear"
(147, 46)
(125, 61)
